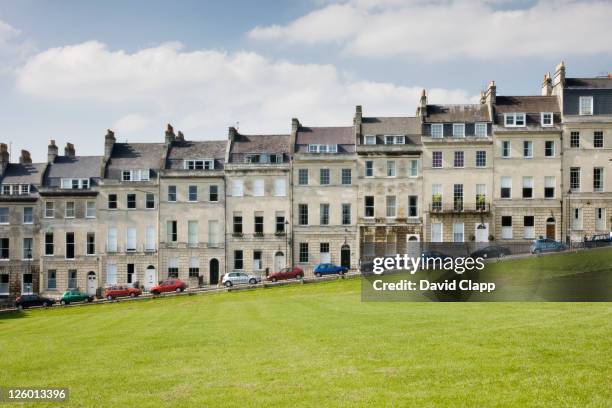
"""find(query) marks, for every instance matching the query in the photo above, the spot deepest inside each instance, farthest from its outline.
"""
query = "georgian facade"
(510, 168)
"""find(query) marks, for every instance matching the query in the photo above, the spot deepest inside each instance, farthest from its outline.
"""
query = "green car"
(70, 296)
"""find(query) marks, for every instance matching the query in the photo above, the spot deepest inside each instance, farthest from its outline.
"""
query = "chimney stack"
(109, 142)
(69, 150)
(180, 136)
(25, 157)
(491, 93)
(422, 110)
(232, 133)
(358, 115)
(52, 151)
(559, 78)
(4, 158)
(547, 85)
(295, 125)
(170, 137)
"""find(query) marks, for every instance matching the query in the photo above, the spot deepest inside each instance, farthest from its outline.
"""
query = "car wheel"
(252, 281)
(228, 284)
(273, 279)
(109, 298)
(298, 276)
(342, 272)
(63, 302)
(155, 293)
(132, 295)
(318, 274)
(89, 300)
(46, 304)
(501, 255)
(178, 290)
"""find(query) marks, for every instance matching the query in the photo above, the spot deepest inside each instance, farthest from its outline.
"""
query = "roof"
(17, 173)
(527, 104)
(137, 156)
(75, 167)
(601, 83)
(457, 113)
(401, 125)
(343, 136)
(260, 144)
(182, 150)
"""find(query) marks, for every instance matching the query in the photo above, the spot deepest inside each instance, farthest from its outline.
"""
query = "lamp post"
(569, 217)
(287, 243)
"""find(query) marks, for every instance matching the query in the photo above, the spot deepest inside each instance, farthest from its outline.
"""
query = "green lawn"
(313, 345)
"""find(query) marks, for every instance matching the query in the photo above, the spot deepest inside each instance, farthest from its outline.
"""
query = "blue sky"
(71, 69)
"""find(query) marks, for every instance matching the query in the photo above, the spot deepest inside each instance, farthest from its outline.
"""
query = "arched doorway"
(551, 228)
(279, 261)
(150, 277)
(345, 256)
(214, 272)
(92, 283)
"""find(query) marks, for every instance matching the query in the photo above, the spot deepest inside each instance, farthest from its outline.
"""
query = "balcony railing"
(459, 208)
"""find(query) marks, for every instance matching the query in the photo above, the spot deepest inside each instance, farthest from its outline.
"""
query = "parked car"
(329, 269)
(169, 285)
(70, 296)
(238, 278)
(367, 267)
(286, 273)
(113, 292)
(491, 251)
(547, 245)
(25, 301)
(601, 238)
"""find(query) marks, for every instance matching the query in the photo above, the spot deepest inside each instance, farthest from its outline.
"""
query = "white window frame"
(73, 210)
(503, 142)
(481, 125)
(438, 236)
(414, 168)
(528, 143)
(544, 122)
(439, 133)
(391, 206)
(461, 128)
(88, 214)
(199, 164)
(366, 168)
(280, 187)
(391, 168)
(369, 139)
(515, 118)
(238, 188)
(456, 227)
(582, 107)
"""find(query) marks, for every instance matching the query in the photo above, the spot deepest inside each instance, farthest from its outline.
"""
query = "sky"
(69, 70)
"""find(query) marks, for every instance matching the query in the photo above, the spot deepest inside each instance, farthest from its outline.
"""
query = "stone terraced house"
(509, 169)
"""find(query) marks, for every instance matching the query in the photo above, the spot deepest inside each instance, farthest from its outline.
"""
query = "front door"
(214, 272)
(150, 277)
(279, 261)
(92, 283)
(550, 229)
(345, 256)
(27, 286)
(482, 232)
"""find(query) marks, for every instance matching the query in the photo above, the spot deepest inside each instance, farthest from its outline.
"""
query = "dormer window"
(480, 130)
(370, 139)
(135, 175)
(264, 158)
(546, 119)
(514, 119)
(199, 164)
(437, 130)
(15, 189)
(395, 139)
(323, 148)
(75, 184)
(458, 129)
(586, 105)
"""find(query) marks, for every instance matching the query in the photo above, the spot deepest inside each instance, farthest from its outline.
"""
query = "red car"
(113, 292)
(286, 273)
(169, 285)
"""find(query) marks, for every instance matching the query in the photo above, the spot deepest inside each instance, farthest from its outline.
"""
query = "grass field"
(313, 345)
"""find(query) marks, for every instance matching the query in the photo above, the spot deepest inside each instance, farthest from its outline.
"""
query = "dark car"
(329, 269)
(25, 301)
(286, 273)
(491, 251)
(601, 238)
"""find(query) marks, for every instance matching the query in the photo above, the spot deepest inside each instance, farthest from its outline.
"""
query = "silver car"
(239, 278)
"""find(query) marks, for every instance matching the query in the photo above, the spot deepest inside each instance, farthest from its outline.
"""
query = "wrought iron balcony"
(459, 208)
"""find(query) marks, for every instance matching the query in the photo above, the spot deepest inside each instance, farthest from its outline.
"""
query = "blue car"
(329, 269)
(547, 245)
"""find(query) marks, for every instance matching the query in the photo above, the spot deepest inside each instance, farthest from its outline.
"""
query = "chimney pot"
(25, 157)
(170, 137)
(52, 151)
(180, 136)
(69, 150)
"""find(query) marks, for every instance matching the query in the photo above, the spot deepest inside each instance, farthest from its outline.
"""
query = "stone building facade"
(510, 168)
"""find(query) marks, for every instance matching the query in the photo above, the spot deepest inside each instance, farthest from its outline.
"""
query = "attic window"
(437, 130)
(15, 189)
(546, 118)
(199, 164)
(395, 139)
(514, 119)
(586, 105)
(323, 148)
(75, 184)
(264, 158)
(480, 130)
(458, 129)
(135, 175)
(370, 139)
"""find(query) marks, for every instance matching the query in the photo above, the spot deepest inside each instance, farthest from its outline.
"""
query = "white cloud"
(7, 33)
(202, 92)
(452, 28)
